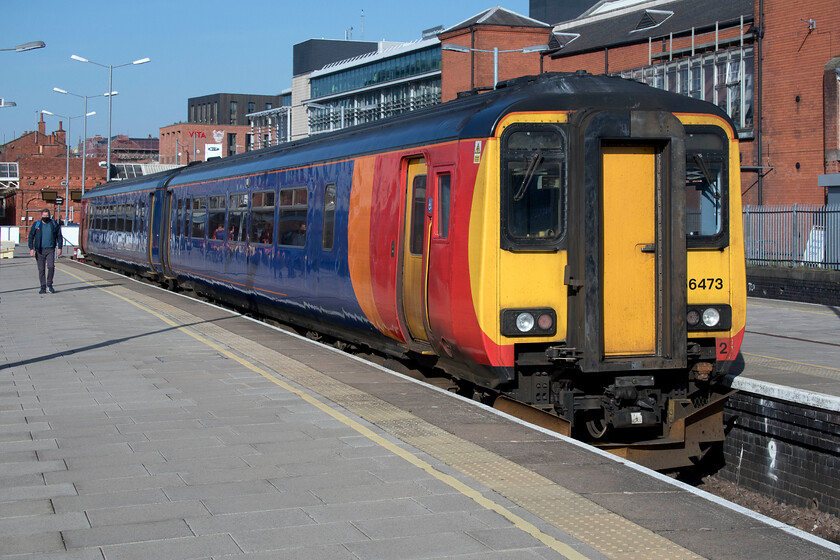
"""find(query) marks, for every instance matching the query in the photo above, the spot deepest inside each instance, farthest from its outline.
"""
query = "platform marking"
(597, 527)
(812, 369)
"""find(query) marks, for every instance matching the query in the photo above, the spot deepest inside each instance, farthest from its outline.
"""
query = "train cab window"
(199, 218)
(291, 220)
(262, 218)
(444, 184)
(418, 214)
(706, 186)
(328, 233)
(216, 218)
(533, 187)
(238, 216)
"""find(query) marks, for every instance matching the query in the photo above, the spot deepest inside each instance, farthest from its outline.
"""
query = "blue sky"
(197, 48)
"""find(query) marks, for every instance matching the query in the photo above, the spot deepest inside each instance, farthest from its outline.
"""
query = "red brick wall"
(202, 134)
(38, 173)
(457, 67)
(794, 66)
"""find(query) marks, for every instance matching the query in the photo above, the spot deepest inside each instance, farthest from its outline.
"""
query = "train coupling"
(562, 354)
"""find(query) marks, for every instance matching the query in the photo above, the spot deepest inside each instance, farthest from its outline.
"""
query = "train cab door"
(415, 240)
(628, 267)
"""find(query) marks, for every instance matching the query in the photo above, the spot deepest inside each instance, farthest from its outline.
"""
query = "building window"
(233, 112)
(250, 106)
(724, 78)
(268, 105)
(215, 112)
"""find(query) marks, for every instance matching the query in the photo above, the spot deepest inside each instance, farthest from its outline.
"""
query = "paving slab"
(166, 428)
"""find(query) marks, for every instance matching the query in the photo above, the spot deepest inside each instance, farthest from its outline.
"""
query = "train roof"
(471, 116)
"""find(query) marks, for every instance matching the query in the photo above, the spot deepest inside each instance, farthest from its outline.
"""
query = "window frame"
(721, 238)
(508, 241)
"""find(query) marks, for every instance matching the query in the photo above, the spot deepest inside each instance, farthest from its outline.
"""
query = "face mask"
(45, 220)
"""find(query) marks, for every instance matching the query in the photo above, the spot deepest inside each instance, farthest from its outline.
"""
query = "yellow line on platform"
(790, 361)
(520, 523)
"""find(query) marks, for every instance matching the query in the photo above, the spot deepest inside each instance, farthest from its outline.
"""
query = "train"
(567, 242)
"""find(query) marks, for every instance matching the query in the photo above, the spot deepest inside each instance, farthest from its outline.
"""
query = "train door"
(155, 206)
(414, 244)
(629, 249)
(167, 217)
(627, 267)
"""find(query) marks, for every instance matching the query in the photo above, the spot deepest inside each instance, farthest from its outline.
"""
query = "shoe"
(51, 289)
(43, 291)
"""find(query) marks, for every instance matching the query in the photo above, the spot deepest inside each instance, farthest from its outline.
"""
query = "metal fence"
(793, 235)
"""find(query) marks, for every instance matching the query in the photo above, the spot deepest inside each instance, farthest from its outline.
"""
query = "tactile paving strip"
(606, 532)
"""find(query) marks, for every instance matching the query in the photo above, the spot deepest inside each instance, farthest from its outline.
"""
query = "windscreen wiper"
(535, 162)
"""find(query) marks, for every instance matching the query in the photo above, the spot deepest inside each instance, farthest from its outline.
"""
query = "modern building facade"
(228, 108)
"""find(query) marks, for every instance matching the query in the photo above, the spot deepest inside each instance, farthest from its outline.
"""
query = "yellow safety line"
(790, 361)
(559, 547)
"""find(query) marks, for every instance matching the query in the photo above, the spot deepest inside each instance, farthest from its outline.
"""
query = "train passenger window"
(216, 218)
(94, 217)
(199, 217)
(120, 227)
(238, 215)
(262, 218)
(418, 214)
(292, 216)
(130, 210)
(444, 185)
(706, 185)
(178, 217)
(533, 186)
(328, 232)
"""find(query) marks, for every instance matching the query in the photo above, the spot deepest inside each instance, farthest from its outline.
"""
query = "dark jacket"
(39, 230)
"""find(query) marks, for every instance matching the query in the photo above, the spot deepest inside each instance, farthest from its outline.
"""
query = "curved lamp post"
(110, 68)
(84, 134)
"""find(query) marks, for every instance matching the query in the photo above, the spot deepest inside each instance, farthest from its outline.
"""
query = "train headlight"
(711, 317)
(708, 317)
(529, 322)
(524, 322)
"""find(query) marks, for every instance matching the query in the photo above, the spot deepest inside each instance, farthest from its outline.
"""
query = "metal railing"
(793, 235)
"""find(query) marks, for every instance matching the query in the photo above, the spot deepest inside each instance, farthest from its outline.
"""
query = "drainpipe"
(757, 92)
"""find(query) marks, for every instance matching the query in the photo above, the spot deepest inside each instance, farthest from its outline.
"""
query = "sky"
(196, 48)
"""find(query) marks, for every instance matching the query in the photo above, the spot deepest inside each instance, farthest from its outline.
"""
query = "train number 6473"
(705, 284)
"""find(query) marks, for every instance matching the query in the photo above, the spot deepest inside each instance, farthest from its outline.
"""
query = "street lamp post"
(84, 128)
(31, 46)
(67, 145)
(462, 49)
(110, 68)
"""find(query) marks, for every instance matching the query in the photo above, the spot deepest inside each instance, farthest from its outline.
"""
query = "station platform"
(791, 351)
(137, 423)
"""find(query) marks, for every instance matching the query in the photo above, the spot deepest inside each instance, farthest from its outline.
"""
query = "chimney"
(42, 126)
(61, 135)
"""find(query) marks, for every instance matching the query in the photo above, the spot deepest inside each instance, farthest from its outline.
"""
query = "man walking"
(44, 244)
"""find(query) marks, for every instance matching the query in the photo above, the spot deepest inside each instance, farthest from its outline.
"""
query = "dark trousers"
(46, 266)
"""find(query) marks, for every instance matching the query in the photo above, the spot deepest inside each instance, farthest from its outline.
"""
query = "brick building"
(772, 65)
(184, 143)
(32, 172)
